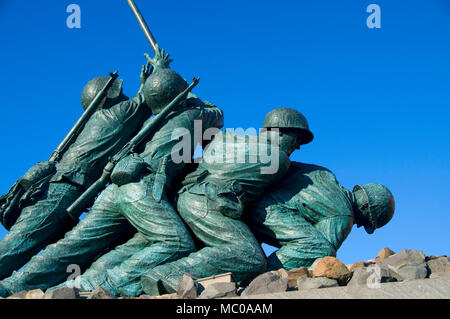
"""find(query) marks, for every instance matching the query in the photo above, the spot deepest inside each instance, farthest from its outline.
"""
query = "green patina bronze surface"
(157, 218)
(213, 199)
(309, 214)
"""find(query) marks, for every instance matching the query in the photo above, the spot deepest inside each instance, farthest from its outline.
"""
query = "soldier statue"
(217, 192)
(309, 214)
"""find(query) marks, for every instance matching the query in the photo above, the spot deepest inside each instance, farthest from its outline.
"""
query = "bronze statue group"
(159, 218)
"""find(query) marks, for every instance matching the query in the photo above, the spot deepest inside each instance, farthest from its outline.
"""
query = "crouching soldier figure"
(41, 218)
(309, 214)
(135, 200)
(215, 194)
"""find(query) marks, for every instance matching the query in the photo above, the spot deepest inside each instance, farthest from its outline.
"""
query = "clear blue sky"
(378, 100)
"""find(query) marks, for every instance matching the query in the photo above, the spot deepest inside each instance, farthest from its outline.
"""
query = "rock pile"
(326, 272)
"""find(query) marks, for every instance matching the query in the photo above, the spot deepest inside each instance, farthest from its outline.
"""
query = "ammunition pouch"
(9, 206)
(194, 178)
(228, 198)
(25, 192)
(18, 197)
(36, 174)
(129, 170)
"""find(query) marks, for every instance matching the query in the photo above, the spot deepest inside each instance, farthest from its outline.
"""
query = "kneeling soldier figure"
(309, 214)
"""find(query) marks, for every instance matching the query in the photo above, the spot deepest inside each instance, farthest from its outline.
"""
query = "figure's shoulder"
(193, 100)
(310, 170)
(120, 109)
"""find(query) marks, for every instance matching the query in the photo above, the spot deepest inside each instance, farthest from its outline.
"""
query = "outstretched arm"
(145, 73)
(146, 70)
(161, 60)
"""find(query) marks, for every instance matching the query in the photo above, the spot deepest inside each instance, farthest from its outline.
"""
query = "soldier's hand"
(161, 59)
(146, 70)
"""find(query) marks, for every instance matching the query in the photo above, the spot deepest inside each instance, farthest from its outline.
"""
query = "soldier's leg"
(101, 229)
(230, 246)
(158, 222)
(38, 225)
(300, 242)
(95, 275)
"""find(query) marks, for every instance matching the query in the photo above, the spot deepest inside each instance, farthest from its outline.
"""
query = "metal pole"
(143, 24)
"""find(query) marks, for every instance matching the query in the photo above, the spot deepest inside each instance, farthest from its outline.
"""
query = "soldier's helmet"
(376, 202)
(287, 118)
(94, 86)
(161, 87)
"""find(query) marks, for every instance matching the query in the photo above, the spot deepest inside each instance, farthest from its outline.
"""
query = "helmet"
(285, 117)
(93, 87)
(376, 202)
(161, 87)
